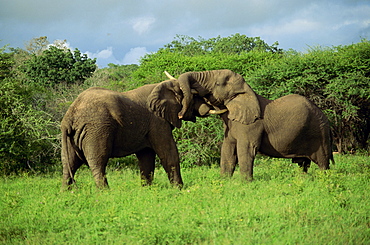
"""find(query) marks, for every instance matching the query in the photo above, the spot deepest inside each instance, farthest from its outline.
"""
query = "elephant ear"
(165, 101)
(244, 108)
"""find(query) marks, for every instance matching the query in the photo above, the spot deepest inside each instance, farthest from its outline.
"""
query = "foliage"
(27, 136)
(6, 63)
(37, 45)
(55, 65)
(29, 125)
(282, 206)
(119, 74)
(336, 79)
(199, 143)
(234, 44)
(152, 65)
(237, 52)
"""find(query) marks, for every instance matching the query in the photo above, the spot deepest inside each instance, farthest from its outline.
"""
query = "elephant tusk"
(217, 112)
(193, 91)
(169, 75)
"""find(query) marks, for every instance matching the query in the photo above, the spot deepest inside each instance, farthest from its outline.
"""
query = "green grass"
(282, 206)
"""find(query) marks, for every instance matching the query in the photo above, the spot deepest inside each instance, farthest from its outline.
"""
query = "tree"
(58, 65)
(37, 45)
(6, 63)
(234, 44)
(237, 52)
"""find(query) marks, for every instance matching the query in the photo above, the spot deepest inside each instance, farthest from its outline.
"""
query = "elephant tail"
(331, 157)
(70, 153)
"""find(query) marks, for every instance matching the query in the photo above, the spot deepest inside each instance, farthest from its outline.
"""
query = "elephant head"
(165, 101)
(222, 88)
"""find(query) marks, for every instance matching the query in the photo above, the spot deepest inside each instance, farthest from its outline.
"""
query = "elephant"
(102, 124)
(288, 127)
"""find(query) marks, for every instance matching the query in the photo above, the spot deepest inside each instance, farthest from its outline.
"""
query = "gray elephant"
(102, 124)
(289, 127)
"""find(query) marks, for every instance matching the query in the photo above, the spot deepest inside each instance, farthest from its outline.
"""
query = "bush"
(55, 65)
(199, 143)
(28, 137)
(336, 79)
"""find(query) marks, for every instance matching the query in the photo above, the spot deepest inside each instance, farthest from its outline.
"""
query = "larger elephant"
(289, 127)
(102, 124)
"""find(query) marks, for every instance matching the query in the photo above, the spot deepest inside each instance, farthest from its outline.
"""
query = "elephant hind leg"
(69, 171)
(71, 163)
(146, 159)
(303, 162)
(98, 166)
(322, 160)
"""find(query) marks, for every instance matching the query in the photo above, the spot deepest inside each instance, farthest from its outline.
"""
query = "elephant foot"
(302, 162)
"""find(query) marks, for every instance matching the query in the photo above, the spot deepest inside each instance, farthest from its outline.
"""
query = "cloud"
(106, 56)
(101, 54)
(103, 57)
(143, 24)
(134, 55)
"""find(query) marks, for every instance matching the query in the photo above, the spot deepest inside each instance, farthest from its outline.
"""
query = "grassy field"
(282, 206)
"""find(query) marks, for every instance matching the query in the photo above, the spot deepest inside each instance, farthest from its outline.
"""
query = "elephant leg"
(97, 166)
(146, 159)
(228, 157)
(246, 156)
(303, 162)
(69, 173)
(322, 158)
(71, 162)
(249, 139)
(166, 149)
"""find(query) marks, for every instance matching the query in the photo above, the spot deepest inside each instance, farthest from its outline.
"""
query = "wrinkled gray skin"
(289, 127)
(102, 124)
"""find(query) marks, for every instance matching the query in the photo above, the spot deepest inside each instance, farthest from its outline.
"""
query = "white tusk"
(217, 112)
(193, 91)
(169, 75)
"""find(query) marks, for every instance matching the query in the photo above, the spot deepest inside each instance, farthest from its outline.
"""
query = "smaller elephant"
(289, 127)
(102, 124)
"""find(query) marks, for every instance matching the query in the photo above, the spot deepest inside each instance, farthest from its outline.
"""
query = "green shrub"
(28, 137)
(336, 79)
(57, 65)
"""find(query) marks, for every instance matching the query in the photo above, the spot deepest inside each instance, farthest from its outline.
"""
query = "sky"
(122, 31)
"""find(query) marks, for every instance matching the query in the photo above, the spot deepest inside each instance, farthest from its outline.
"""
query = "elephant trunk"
(194, 80)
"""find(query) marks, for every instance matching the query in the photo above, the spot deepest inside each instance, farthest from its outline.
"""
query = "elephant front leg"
(228, 157)
(146, 159)
(246, 156)
(165, 147)
(171, 165)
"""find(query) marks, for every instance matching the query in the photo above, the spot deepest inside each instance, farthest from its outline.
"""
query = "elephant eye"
(220, 83)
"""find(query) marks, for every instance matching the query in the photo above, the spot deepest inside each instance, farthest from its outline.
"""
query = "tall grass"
(282, 206)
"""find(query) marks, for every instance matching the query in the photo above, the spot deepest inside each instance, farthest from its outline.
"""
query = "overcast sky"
(120, 31)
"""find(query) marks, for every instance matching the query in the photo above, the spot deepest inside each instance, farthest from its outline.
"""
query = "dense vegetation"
(282, 206)
(39, 82)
